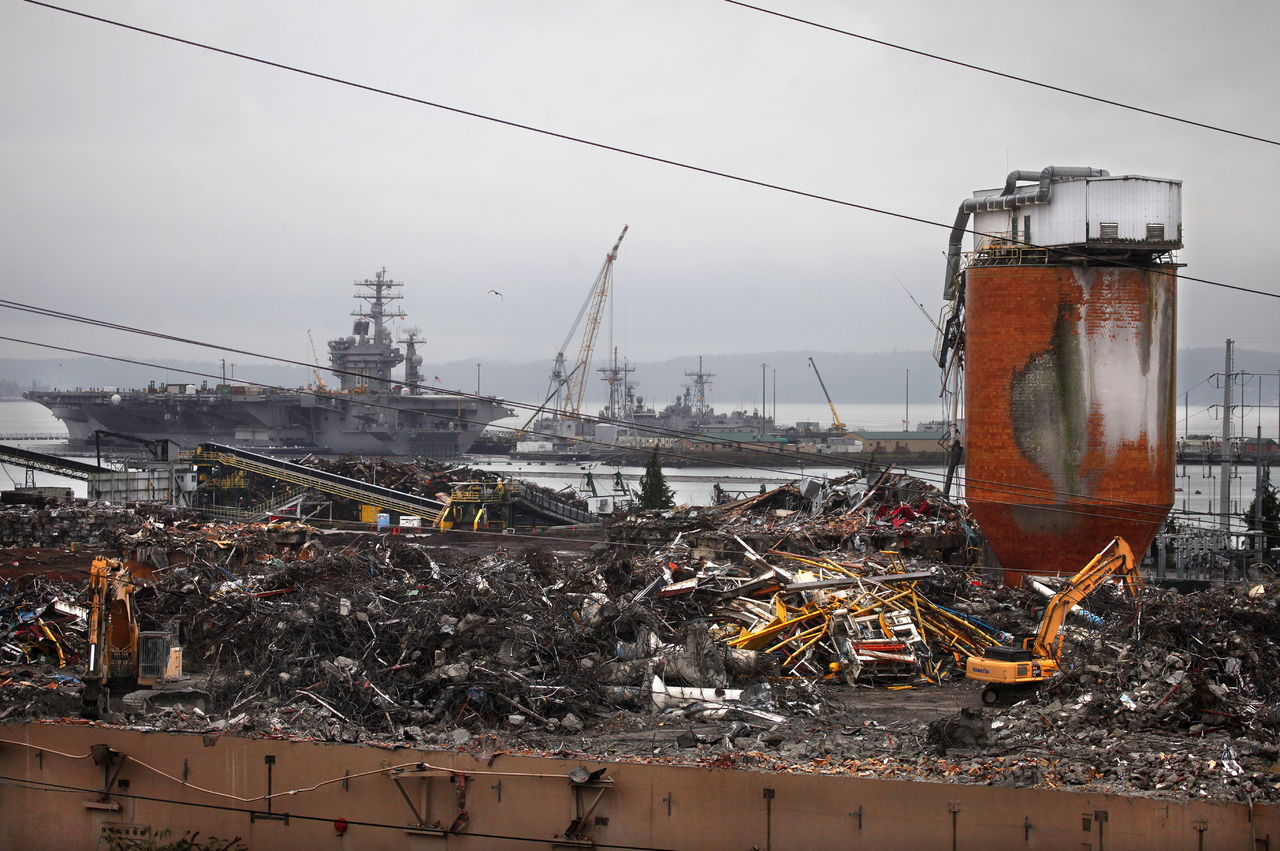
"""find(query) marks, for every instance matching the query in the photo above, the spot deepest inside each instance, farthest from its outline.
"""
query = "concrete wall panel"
(514, 801)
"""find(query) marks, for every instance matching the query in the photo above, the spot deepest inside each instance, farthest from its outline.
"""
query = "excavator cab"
(1008, 670)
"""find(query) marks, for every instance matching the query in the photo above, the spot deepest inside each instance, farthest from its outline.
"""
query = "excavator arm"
(1116, 558)
(113, 631)
(1007, 670)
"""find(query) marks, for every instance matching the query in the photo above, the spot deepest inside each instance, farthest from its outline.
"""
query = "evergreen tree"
(1270, 514)
(654, 492)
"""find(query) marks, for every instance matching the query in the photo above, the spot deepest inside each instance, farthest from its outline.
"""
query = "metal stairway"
(258, 512)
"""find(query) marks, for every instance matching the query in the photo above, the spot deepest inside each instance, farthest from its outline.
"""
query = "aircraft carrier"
(369, 413)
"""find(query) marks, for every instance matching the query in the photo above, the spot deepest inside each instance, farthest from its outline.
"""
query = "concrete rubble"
(811, 628)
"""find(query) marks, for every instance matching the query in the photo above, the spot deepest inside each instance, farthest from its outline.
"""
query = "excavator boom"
(1116, 558)
(119, 652)
(1011, 668)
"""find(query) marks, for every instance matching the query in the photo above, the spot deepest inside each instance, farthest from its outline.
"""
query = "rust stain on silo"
(1069, 409)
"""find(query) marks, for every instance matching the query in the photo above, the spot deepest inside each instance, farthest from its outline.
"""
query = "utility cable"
(593, 143)
(1005, 75)
(47, 786)
(418, 764)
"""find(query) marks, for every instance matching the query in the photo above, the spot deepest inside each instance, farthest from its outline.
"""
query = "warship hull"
(370, 413)
(368, 423)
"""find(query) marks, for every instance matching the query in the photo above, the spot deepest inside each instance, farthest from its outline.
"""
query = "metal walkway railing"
(547, 506)
(253, 513)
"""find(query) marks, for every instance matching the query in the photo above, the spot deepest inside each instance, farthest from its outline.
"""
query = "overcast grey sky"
(155, 184)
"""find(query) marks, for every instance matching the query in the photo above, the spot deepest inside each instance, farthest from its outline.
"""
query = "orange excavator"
(1007, 670)
(121, 655)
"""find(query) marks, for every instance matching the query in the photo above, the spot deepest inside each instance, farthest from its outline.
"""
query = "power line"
(602, 145)
(1005, 75)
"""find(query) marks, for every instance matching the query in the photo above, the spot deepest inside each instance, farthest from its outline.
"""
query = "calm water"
(1199, 485)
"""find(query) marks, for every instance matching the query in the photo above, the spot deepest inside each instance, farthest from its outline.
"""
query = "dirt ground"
(50, 562)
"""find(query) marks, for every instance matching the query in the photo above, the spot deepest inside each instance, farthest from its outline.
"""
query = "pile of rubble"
(183, 537)
(772, 634)
(57, 526)
(889, 510)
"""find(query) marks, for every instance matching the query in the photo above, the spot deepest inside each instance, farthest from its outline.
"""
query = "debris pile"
(183, 539)
(889, 511)
(1193, 662)
(772, 634)
(819, 617)
(391, 638)
(31, 526)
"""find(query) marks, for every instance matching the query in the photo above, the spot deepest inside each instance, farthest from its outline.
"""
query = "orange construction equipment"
(120, 654)
(1010, 669)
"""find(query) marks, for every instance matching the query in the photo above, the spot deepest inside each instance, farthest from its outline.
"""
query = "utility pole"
(906, 419)
(477, 379)
(1259, 538)
(775, 397)
(1224, 486)
(764, 397)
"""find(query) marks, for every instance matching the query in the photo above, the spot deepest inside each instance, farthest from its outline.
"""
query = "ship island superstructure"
(369, 413)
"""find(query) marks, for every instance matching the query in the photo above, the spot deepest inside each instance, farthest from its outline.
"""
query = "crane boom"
(576, 379)
(315, 362)
(836, 422)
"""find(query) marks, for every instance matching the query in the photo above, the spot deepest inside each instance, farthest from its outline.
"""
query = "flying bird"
(495, 292)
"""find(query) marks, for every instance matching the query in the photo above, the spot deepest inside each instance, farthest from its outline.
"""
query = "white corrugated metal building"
(1127, 210)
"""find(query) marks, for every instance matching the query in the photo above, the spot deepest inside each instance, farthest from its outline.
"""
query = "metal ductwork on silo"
(1006, 200)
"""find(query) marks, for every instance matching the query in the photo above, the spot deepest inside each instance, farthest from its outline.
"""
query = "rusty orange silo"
(1068, 305)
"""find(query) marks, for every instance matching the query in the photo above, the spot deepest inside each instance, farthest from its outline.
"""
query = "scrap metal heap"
(769, 634)
(888, 511)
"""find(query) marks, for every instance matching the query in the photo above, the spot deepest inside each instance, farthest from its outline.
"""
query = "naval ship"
(369, 413)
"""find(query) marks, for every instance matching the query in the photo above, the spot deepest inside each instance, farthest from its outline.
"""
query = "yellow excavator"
(1007, 670)
(120, 654)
